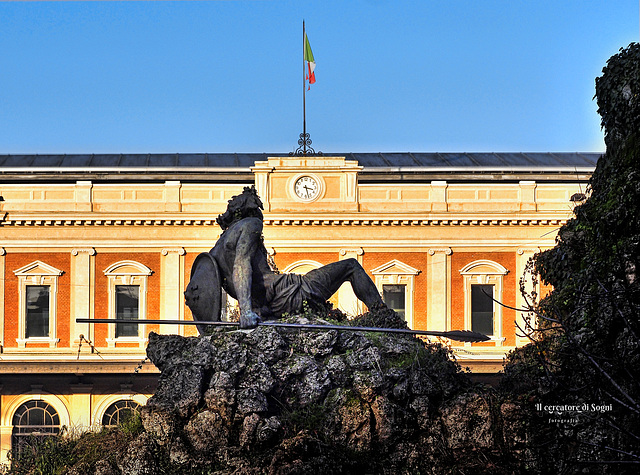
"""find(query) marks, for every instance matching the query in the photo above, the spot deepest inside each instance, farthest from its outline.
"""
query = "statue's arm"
(247, 244)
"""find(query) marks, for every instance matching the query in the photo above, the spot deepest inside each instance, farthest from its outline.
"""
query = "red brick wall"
(103, 261)
(509, 289)
(13, 262)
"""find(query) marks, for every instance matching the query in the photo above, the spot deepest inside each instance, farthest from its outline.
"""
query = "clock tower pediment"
(307, 184)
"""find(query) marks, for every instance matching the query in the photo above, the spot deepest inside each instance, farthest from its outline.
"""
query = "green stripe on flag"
(308, 55)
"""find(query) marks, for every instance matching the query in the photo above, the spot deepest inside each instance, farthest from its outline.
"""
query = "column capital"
(446, 250)
(358, 251)
(89, 250)
(170, 250)
(522, 250)
(3, 251)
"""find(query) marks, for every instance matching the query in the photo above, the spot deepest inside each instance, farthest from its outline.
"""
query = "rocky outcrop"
(275, 400)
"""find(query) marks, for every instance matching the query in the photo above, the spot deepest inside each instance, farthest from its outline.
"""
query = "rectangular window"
(393, 297)
(127, 305)
(482, 309)
(37, 311)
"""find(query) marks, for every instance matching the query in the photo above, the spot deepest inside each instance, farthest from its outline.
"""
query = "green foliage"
(48, 456)
(57, 454)
(587, 348)
(310, 417)
(618, 93)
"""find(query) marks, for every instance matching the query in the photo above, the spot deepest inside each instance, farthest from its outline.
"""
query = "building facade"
(114, 236)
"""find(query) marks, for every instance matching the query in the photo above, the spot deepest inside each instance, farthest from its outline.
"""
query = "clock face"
(306, 188)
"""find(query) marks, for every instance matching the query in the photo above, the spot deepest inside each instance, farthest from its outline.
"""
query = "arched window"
(119, 412)
(33, 421)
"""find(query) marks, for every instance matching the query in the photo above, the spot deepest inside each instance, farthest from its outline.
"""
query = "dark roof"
(499, 161)
(236, 167)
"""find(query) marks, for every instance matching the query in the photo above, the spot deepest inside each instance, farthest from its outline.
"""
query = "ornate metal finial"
(304, 147)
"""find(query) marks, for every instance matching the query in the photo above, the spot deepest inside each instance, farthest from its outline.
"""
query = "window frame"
(396, 272)
(485, 272)
(37, 273)
(127, 273)
(27, 431)
(126, 401)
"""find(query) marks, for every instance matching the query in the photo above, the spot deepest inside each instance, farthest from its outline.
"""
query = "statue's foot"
(249, 320)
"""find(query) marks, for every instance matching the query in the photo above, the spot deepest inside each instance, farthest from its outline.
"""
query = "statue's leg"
(327, 280)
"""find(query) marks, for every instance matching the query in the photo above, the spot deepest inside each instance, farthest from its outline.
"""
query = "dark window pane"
(482, 309)
(393, 297)
(127, 300)
(37, 324)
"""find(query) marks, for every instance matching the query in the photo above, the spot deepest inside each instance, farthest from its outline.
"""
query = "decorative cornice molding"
(413, 222)
(268, 221)
(178, 250)
(91, 251)
(90, 221)
(446, 250)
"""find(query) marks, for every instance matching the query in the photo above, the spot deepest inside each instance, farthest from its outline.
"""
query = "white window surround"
(484, 272)
(396, 272)
(127, 273)
(37, 273)
(301, 267)
(36, 394)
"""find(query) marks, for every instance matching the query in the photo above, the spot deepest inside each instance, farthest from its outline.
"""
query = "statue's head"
(245, 205)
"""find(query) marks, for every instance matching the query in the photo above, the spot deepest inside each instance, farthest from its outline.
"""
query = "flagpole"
(304, 94)
(304, 142)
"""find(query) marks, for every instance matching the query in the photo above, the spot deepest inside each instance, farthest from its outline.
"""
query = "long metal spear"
(458, 335)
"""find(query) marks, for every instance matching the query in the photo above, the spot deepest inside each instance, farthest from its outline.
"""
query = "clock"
(306, 188)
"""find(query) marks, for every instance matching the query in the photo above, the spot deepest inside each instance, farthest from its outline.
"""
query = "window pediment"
(395, 267)
(484, 267)
(302, 267)
(37, 268)
(127, 268)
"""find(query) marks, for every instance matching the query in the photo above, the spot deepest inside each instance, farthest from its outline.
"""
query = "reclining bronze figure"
(238, 264)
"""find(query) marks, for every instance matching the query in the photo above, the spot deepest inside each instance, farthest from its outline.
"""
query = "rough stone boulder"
(276, 400)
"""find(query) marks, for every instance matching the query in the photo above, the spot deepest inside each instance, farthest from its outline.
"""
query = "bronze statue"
(238, 264)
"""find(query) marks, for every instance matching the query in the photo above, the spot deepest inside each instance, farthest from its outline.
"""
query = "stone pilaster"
(82, 284)
(522, 257)
(83, 196)
(2, 270)
(347, 300)
(528, 196)
(171, 288)
(439, 196)
(438, 289)
(172, 195)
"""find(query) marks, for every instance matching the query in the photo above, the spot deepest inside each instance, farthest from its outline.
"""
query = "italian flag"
(308, 57)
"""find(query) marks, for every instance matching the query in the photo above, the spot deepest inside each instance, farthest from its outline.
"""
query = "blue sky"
(226, 76)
